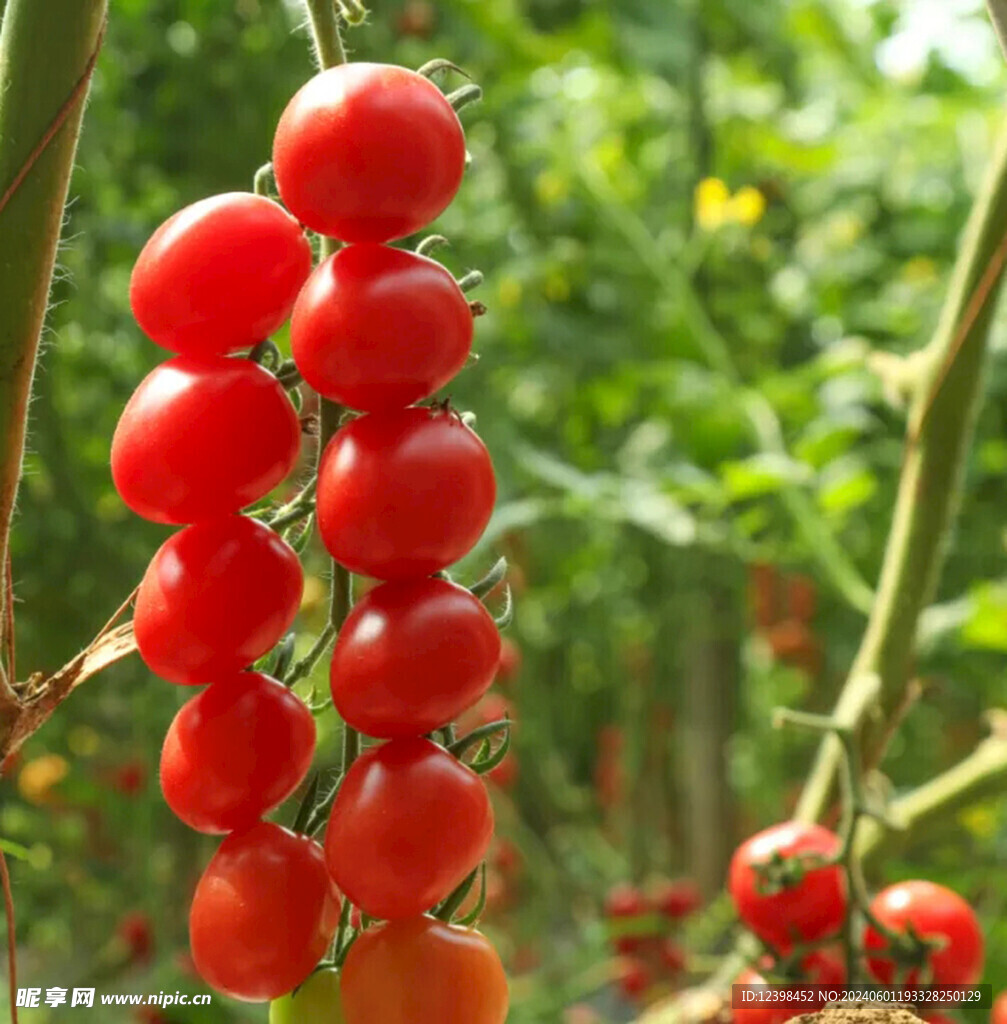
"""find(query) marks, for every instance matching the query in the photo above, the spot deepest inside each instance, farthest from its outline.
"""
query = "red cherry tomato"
(202, 437)
(220, 275)
(931, 911)
(756, 1013)
(410, 822)
(263, 914)
(809, 910)
(624, 900)
(676, 899)
(998, 1015)
(823, 966)
(215, 597)
(673, 957)
(404, 493)
(368, 153)
(412, 656)
(378, 328)
(423, 971)
(510, 661)
(236, 751)
(635, 977)
(136, 931)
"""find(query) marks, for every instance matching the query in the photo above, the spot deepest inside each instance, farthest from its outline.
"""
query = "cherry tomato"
(676, 899)
(635, 977)
(404, 493)
(931, 911)
(624, 900)
(998, 1015)
(220, 275)
(673, 957)
(510, 661)
(215, 597)
(812, 908)
(263, 914)
(410, 822)
(368, 153)
(202, 437)
(757, 1013)
(317, 1001)
(823, 966)
(136, 931)
(412, 656)
(236, 751)
(423, 971)
(378, 328)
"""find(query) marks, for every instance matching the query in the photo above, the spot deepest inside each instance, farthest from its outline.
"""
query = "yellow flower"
(40, 775)
(747, 206)
(710, 203)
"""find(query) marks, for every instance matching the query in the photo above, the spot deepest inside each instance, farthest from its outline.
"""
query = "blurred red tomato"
(676, 899)
(137, 932)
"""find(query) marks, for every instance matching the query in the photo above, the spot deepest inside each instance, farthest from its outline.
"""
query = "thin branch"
(8, 900)
(998, 15)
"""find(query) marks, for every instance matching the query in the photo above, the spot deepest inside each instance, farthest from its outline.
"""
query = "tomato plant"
(386, 843)
(263, 913)
(236, 751)
(215, 597)
(404, 493)
(379, 328)
(368, 153)
(220, 275)
(423, 971)
(805, 902)
(411, 656)
(203, 436)
(928, 911)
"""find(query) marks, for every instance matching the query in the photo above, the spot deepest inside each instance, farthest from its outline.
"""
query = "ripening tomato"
(263, 913)
(932, 912)
(378, 328)
(236, 751)
(812, 908)
(412, 656)
(202, 437)
(998, 1015)
(409, 823)
(423, 971)
(368, 153)
(624, 900)
(215, 597)
(220, 275)
(404, 493)
(317, 1001)
(756, 1013)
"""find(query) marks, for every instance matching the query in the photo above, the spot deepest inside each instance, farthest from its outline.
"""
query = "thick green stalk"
(940, 430)
(45, 54)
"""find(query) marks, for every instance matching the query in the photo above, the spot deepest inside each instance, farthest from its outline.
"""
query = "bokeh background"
(701, 222)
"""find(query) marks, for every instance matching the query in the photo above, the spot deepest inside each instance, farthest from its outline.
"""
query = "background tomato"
(404, 493)
(380, 328)
(263, 914)
(412, 656)
(809, 910)
(317, 1001)
(215, 597)
(368, 152)
(932, 911)
(236, 751)
(410, 822)
(423, 971)
(756, 1014)
(219, 275)
(202, 437)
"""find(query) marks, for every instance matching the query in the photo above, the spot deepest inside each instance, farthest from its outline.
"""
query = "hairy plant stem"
(939, 433)
(47, 52)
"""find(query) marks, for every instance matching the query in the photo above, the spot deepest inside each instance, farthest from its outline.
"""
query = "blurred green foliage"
(700, 223)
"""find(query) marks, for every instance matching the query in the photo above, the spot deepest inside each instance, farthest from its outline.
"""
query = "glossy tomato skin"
(215, 597)
(219, 275)
(236, 751)
(932, 911)
(202, 437)
(378, 328)
(263, 914)
(404, 493)
(368, 152)
(409, 823)
(810, 910)
(764, 1013)
(317, 1001)
(412, 656)
(423, 971)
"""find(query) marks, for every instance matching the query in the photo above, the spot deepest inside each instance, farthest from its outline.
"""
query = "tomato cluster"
(364, 154)
(789, 888)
